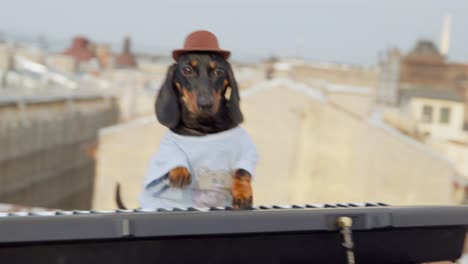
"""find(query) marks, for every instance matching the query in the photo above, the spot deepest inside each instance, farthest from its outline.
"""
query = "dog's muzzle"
(205, 103)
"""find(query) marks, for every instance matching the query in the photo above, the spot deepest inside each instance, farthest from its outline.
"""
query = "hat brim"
(178, 52)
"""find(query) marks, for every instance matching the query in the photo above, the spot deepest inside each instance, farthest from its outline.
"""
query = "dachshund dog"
(199, 98)
(198, 106)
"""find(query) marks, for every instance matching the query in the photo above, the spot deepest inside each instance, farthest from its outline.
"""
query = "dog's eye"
(187, 70)
(218, 72)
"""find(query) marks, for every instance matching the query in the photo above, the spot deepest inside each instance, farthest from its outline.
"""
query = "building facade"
(47, 145)
(422, 67)
(437, 113)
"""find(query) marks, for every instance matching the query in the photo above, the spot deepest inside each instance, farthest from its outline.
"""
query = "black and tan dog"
(205, 101)
(200, 97)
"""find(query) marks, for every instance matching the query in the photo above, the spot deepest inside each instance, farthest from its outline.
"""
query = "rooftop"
(426, 52)
(440, 94)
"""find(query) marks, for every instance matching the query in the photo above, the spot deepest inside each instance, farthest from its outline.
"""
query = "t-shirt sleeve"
(248, 156)
(168, 157)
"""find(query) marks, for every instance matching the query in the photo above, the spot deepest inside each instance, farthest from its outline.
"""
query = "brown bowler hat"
(201, 40)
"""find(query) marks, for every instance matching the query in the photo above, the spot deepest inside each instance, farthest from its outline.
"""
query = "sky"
(347, 31)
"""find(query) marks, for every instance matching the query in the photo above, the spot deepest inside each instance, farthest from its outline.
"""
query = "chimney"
(445, 36)
(126, 59)
(10, 65)
(126, 47)
(80, 49)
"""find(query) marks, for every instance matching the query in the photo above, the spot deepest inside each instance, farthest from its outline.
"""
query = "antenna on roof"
(445, 36)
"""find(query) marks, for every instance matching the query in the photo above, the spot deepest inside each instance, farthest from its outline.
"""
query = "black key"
(286, 206)
(311, 206)
(330, 206)
(217, 209)
(343, 205)
(200, 209)
(358, 204)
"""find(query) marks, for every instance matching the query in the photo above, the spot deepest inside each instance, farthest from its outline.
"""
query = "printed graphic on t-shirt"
(212, 187)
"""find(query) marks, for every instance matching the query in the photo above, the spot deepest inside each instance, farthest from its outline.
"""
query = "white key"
(64, 212)
(44, 213)
(81, 212)
(145, 210)
(124, 211)
(4, 214)
(203, 209)
(317, 205)
(19, 213)
(102, 211)
(284, 206)
(360, 204)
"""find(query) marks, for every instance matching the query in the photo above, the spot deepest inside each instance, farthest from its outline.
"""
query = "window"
(444, 115)
(427, 114)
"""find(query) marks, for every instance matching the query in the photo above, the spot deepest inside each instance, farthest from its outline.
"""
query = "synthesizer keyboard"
(265, 234)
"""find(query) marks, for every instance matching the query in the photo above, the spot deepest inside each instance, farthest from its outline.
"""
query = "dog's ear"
(233, 103)
(167, 104)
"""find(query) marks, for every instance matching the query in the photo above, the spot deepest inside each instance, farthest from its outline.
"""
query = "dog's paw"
(241, 190)
(179, 177)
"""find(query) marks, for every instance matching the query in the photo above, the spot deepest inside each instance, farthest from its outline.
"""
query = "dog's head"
(200, 92)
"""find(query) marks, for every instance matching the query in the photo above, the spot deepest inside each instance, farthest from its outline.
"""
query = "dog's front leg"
(179, 177)
(241, 190)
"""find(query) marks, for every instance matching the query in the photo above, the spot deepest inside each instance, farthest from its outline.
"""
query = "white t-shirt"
(211, 161)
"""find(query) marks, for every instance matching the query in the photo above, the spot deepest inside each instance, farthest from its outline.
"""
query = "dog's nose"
(205, 103)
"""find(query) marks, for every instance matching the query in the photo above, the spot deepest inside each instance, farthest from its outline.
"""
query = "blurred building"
(126, 59)
(83, 53)
(424, 67)
(6, 63)
(62, 63)
(21, 68)
(389, 78)
(426, 96)
(104, 56)
(334, 73)
(80, 50)
(437, 113)
(49, 118)
(48, 139)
